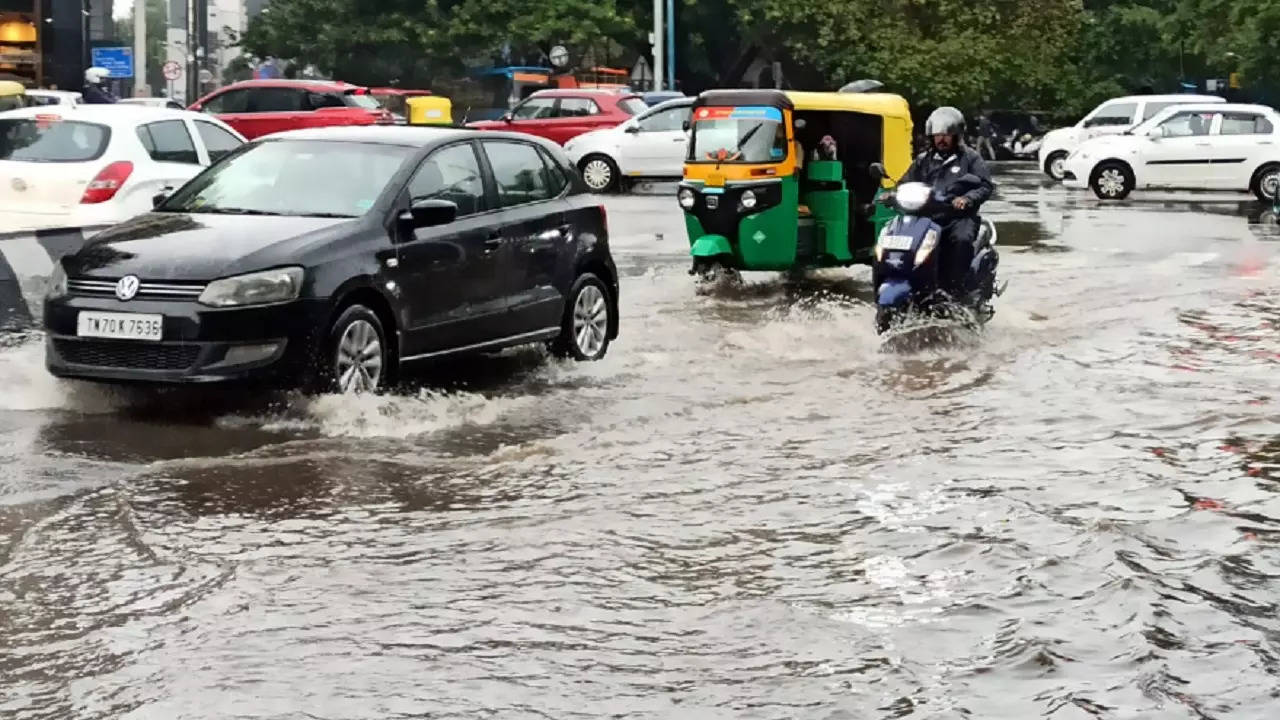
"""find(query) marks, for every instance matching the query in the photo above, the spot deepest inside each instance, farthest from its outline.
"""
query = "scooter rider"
(945, 160)
(95, 92)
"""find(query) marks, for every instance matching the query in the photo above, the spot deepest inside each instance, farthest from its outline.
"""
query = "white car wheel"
(599, 172)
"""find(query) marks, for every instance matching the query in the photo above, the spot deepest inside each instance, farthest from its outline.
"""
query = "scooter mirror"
(878, 172)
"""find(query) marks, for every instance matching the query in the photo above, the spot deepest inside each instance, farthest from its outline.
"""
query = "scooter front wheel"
(886, 316)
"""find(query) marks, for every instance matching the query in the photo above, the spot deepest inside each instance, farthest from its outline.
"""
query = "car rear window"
(633, 105)
(36, 139)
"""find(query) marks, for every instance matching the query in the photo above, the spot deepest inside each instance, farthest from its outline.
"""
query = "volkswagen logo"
(127, 287)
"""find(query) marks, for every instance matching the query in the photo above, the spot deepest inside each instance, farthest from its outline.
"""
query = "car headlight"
(686, 198)
(57, 281)
(926, 247)
(748, 200)
(258, 288)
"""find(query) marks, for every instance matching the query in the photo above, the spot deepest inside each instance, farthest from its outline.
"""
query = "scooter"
(906, 268)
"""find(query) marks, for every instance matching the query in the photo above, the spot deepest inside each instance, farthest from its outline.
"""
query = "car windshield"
(294, 177)
(738, 135)
(51, 140)
(367, 102)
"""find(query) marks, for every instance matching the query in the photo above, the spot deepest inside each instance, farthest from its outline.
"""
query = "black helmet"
(945, 121)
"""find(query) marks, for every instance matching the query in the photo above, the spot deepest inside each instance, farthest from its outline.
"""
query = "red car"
(261, 107)
(561, 115)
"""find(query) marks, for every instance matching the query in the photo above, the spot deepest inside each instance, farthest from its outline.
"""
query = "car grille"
(146, 290)
(128, 355)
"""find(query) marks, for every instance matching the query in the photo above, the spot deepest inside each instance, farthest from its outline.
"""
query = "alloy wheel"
(1058, 167)
(1111, 182)
(590, 321)
(597, 174)
(1270, 184)
(359, 359)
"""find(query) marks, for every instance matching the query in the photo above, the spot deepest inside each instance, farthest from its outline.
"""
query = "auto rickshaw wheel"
(711, 273)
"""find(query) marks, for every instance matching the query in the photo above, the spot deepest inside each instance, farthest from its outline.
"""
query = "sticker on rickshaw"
(746, 112)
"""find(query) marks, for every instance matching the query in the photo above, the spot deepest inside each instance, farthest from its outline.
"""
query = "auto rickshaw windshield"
(748, 135)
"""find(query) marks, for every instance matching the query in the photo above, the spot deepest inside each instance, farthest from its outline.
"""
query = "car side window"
(518, 171)
(1245, 124)
(315, 101)
(1187, 124)
(556, 178)
(168, 141)
(667, 120)
(1113, 115)
(233, 101)
(577, 107)
(534, 108)
(451, 173)
(262, 100)
(1152, 109)
(217, 141)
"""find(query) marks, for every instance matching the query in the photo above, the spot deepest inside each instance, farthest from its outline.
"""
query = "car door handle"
(494, 242)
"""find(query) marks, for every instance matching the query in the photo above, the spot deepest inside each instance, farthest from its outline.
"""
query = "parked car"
(94, 165)
(262, 107)
(332, 257)
(651, 144)
(561, 115)
(54, 97)
(154, 102)
(1215, 146)
(1110, 118)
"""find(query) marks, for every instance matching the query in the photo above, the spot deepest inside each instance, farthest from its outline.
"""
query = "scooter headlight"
(926, 247)
(880, 244)
(748, 200)
(686, 198)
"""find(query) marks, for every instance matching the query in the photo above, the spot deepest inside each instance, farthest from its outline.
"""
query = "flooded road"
(748, 510)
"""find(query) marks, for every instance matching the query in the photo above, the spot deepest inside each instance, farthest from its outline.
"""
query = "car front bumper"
(1076, 173)
(273, 344)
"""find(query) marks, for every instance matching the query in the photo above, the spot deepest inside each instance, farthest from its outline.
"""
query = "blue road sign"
(117, 60)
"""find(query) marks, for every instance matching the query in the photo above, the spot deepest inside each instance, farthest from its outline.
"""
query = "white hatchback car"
(651, 144)
(154, 102)
(1210, 146)
(89, 166)
(1110, 118)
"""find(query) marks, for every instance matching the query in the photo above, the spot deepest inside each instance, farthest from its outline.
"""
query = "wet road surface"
(748, 510)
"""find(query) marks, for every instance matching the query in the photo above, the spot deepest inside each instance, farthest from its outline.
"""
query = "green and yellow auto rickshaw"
(13, 95)
(787, 181)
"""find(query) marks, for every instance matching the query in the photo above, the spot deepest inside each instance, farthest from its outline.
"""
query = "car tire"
(588, 317)
(1112, 181)
(600, 173)
(1054, 165)
(1266, 183)
(354, 358)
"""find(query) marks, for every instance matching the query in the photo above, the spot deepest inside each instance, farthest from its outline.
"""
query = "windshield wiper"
(327, 215)
(747, 137)
(230, 211)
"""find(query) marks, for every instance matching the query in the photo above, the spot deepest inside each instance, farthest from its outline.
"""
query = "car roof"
(595, 92)
(52, 93)
(406, 135)
(1178, 98)
(294, 83)
(1218, 107)
(114, 115)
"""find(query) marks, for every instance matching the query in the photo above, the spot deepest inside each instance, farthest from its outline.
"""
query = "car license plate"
(120, 326)
(896, 242)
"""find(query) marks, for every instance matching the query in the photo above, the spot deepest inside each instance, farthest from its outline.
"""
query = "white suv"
(1208, 146)
(1110, 118)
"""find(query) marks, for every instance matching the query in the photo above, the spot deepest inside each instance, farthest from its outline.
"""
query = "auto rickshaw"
(429, 110)
(784, 181)
(13, 95)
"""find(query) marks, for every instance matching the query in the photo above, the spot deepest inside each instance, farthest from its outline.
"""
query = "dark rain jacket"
(939, 170)
(96, 95)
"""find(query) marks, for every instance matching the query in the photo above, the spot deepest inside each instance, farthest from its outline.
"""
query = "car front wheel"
(600, 173)
(1055, 166)
(1112, 181)
(588, 315)
(355, 359)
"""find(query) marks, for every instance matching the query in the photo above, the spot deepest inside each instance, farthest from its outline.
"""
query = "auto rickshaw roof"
(11, 87)
(737, 98)
(887, 104)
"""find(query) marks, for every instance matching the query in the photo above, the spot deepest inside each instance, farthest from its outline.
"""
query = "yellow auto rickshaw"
(784, 181)
(13, 95)
(429, 110)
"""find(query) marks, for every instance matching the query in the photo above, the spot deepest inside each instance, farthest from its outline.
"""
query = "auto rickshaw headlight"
(686, 198)
(748, 200)
(926, 247)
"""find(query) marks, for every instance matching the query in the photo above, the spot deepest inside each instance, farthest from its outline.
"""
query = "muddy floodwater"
(749, 509)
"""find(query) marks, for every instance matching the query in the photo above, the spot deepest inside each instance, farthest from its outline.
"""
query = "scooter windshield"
(744, 135)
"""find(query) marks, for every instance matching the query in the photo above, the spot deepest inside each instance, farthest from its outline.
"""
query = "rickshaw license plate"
(896, 242)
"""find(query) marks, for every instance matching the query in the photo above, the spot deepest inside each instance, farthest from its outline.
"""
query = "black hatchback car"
(330, 257)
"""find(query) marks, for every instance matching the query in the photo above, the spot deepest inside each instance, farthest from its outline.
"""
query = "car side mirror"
(1155, 133)
(429, 213)
(878, 172)
(158, 199)
(508, 117)
(632, 129)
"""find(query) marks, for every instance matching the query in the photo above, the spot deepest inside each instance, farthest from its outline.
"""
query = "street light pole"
(658, 57)
(671, 45)
(139, 47)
